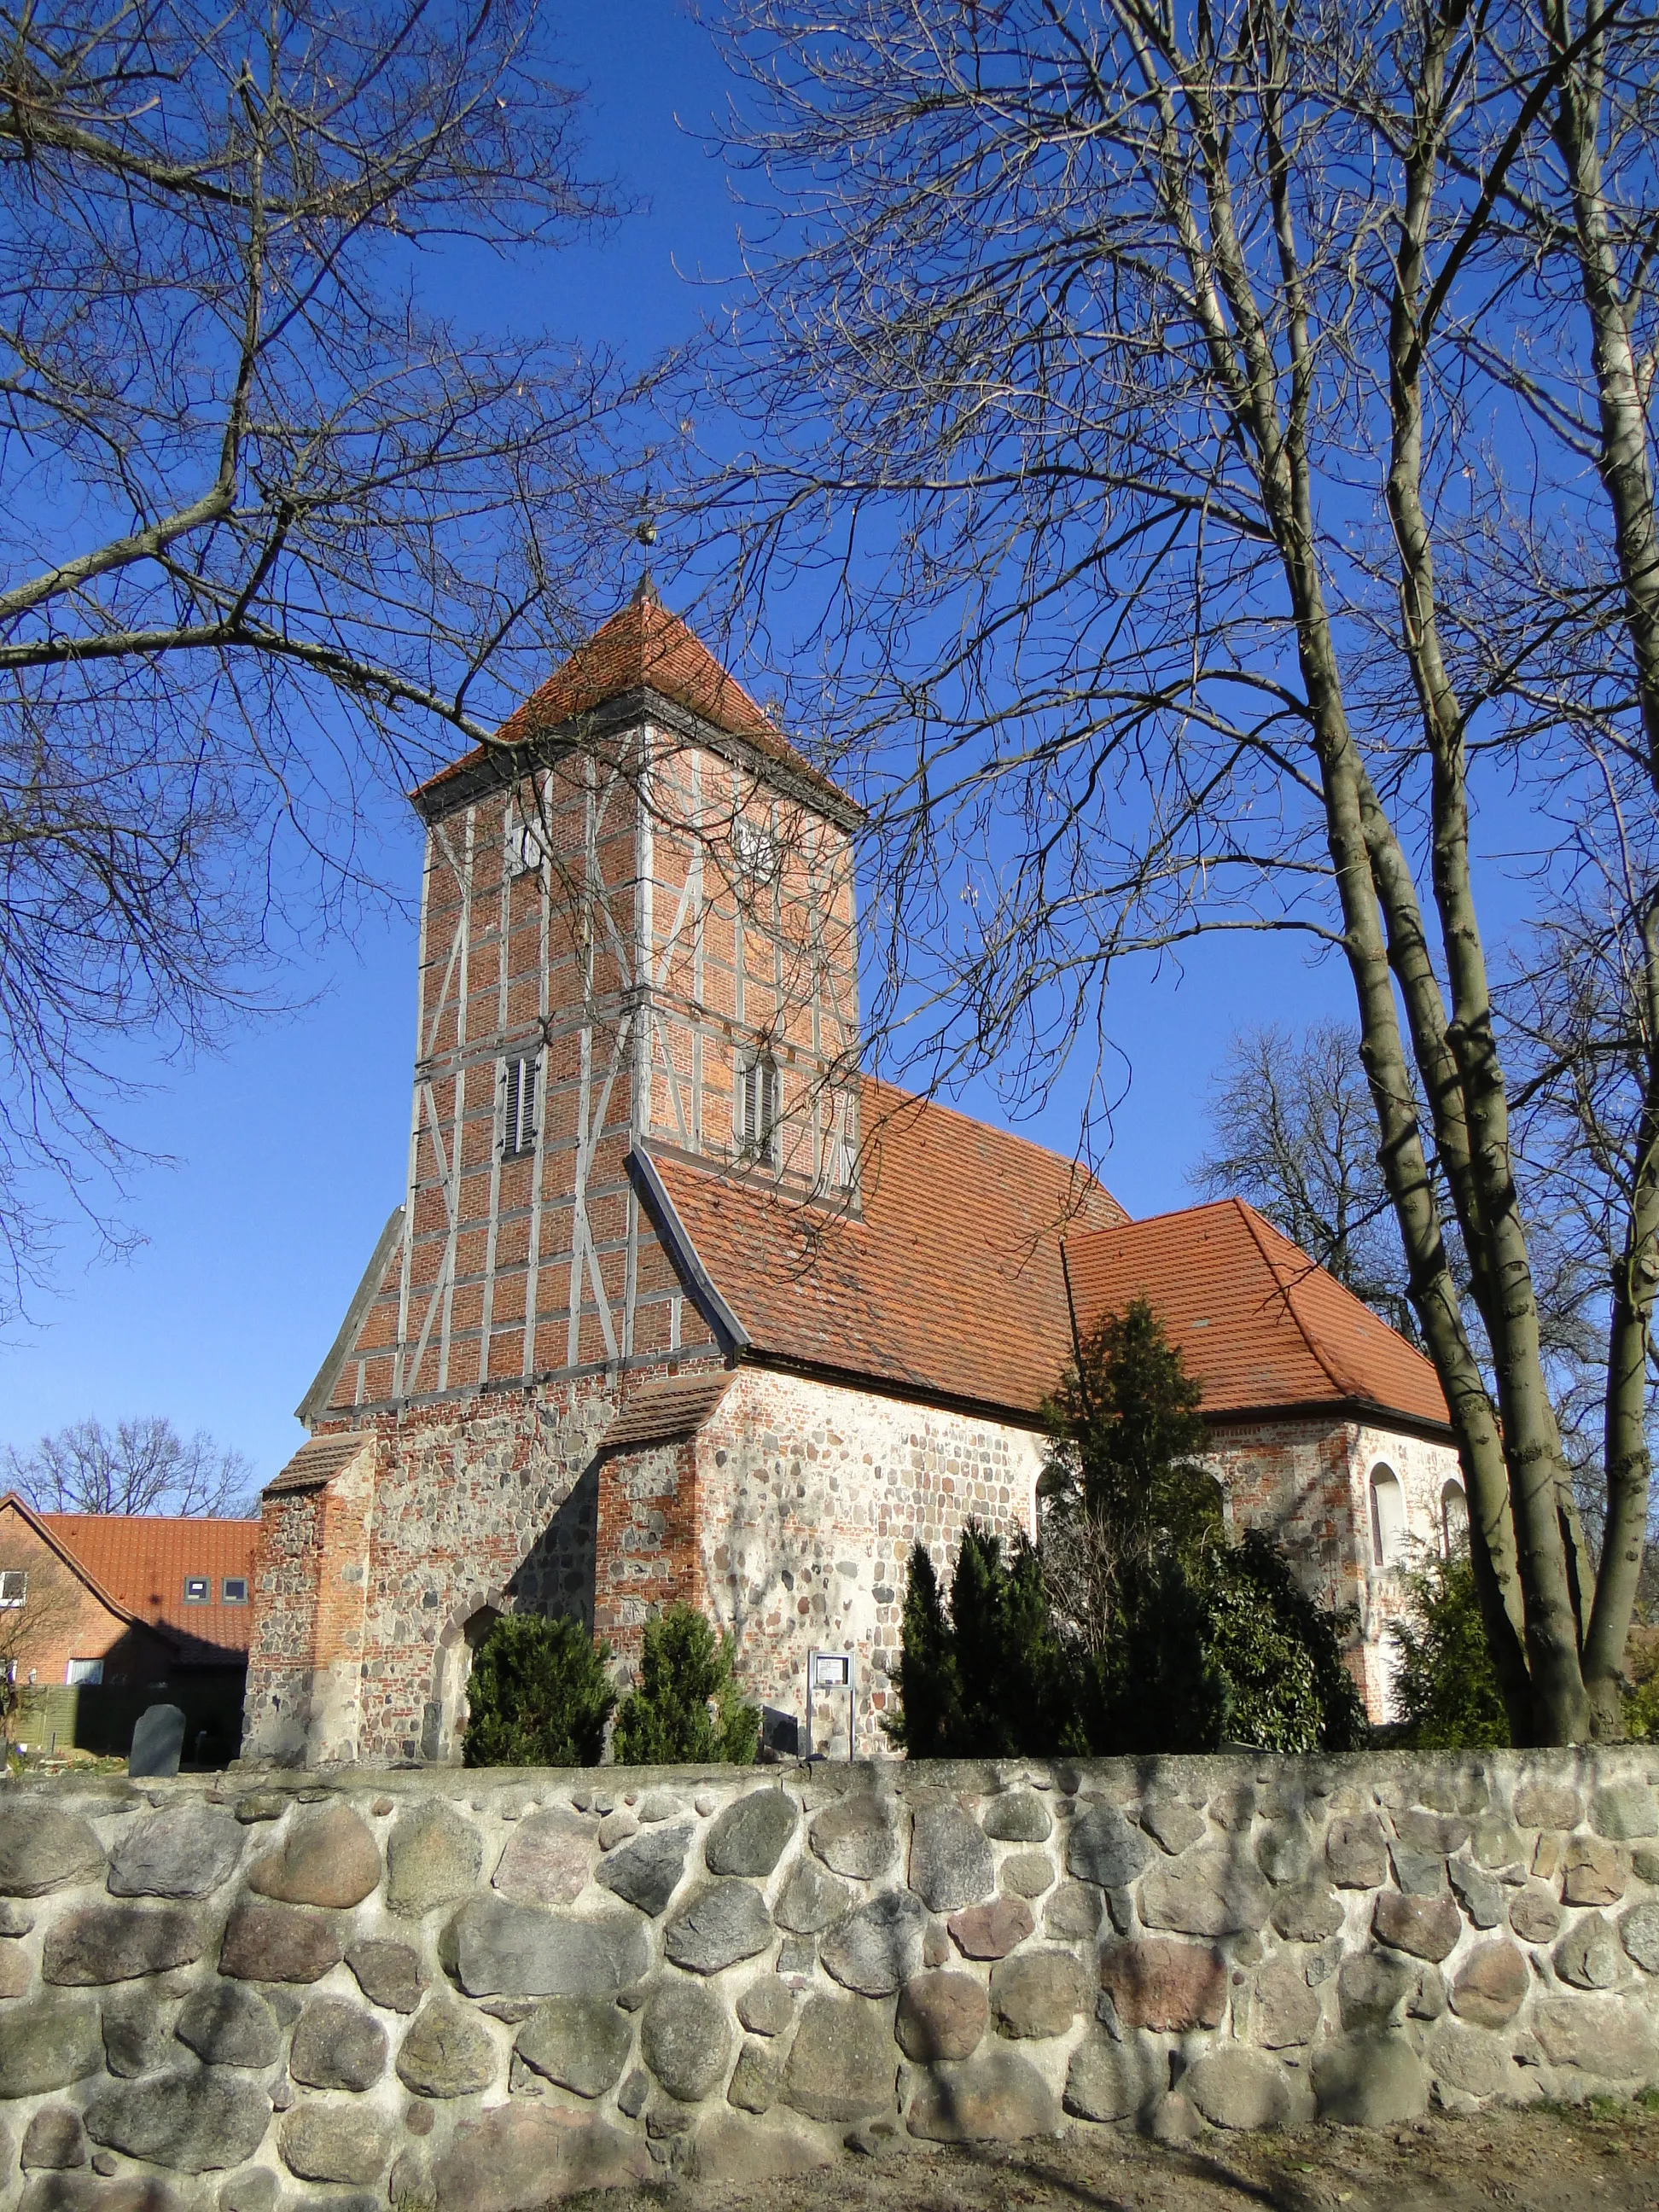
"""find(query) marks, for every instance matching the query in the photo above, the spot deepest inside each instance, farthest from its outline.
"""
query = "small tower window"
(14, 1586)
(1387, 1517)
(1454, 1521)
(758, 1110)
(525, 850)
(519, 1106)
(756, 848)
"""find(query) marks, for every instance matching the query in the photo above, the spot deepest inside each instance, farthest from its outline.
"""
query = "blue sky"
(288, 1151)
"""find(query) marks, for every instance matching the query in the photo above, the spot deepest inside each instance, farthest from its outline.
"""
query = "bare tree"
(277, 533)
(1293, 1131)
(1122, 376)
(143, 1466)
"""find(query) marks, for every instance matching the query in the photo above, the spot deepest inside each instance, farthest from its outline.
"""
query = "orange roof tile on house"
(143, 1562)
(1259, 1324)
(644, 645)
(949, 1281)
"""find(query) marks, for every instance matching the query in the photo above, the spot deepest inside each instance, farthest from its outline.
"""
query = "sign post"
(831, 1670)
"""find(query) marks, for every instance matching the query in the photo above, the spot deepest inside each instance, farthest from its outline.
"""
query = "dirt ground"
(1603, 2155)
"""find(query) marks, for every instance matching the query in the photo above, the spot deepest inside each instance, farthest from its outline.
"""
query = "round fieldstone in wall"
(1206, 1893)
(1307, 1912)
(1534, 1914)
(227, 2025)
(1427, 1927)
(525, 2155)
(184, 1851)
(1356, 1853)
(767, 2006)
(1370, 2081)
(1589, 1956)
(328, 1856)
(941, 2016)
(750, 1837)
(685, 2039)
(580, 2043)
(1238, 2088)
(42, 1848)
(1104, 1848)
(335, 2142)
(338, 2045)
(1624, 1811)
(520, 1951)
(1026, 1873)
(389, 1974)
(1547, 1805)
(196, 2122)
(992, 1931)
(47, 2042)
(1176, 1825)
(856, 1837)
(950, 1860)
(1639, 1930)
(432, 1857)
(812, 1900)
(548, 1858)
(840, 2062)
(757, 2077)
(1019, 1816)
(878, 1947)
(996, 2096)
(446, 2052)
(647, 1871)
(1072, 1913)
(712, 1930)
(1168, 1987)
(279, 1943)
(1109, 2081)
(1373, 1988)
(1039, 1993)
(54, 2139)
(102, 1943)
(253, 2189)
(1286, 2009)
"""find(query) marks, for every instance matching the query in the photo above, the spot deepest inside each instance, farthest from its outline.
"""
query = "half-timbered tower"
(678, 1303)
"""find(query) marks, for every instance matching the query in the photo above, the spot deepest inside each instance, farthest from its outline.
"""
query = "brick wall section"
(277, 1709)
(649, 1554)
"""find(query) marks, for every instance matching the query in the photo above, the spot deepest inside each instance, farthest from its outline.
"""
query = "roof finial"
(645, 591)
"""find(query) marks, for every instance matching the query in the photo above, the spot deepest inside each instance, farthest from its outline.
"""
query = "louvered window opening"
(760, 1110)
(518, 1107)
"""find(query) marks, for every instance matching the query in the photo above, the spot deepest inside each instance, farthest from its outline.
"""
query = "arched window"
(1387, 1517)
(1454, 1520)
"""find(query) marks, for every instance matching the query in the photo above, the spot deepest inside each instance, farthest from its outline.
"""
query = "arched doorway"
(444, 1723)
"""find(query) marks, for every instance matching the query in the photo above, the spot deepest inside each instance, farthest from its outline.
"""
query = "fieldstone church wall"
(478, 1991)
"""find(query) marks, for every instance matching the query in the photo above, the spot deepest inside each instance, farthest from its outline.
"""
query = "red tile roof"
(643, 644)
(1261, 1326)
(951, 1282)
(142, 1561)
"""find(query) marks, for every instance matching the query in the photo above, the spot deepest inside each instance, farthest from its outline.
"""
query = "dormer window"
(758, 1110)
(518, 1105)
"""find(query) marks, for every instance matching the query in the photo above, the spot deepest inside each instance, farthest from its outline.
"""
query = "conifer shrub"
(988, 1679)
(540, 1694)
(687, 1709)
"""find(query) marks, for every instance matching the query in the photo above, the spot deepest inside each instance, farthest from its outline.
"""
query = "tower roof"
(1261, 1326)
(645, 649)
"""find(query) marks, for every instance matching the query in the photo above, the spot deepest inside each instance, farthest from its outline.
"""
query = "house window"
(1454, 1521)
(14, 1586)
(1387, 1517)
(84, 1670)
(232, 1590)
(758, 1108)
(525, 850)
(197, 1589)
(519, 1106)
(757, 851)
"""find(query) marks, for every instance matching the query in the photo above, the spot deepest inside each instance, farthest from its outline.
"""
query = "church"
(681, 1305)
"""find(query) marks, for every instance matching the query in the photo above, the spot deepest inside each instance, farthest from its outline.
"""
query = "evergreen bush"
(990, 1678)
(540, 1695)
(1446, 1689)
(687, 1709)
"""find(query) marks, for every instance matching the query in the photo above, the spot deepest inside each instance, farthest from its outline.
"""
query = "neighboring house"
(125, 1602)
(681, 1305)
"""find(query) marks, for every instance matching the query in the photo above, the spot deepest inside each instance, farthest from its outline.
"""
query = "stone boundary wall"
(484, 1991)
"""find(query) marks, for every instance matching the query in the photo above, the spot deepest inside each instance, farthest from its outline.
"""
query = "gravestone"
(158, 1741)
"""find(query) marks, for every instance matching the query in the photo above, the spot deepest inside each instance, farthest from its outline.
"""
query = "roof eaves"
(490, 766)
(100, 1590)
(683, 1254)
